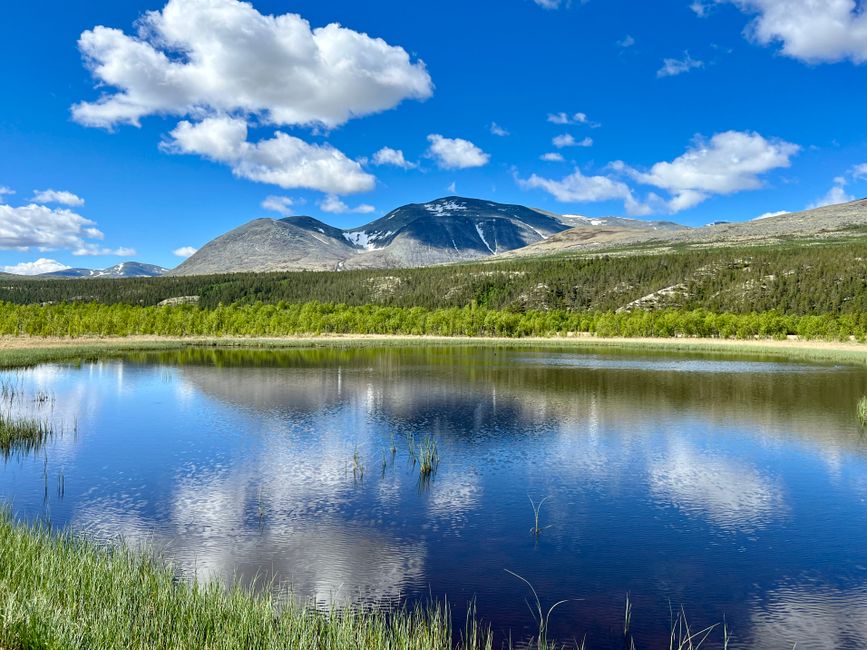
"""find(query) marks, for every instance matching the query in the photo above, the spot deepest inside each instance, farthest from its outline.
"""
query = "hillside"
(451, 229)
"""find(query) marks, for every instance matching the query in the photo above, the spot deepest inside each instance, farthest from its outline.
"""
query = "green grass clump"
(61, 591)
(862, 411)
(22, 434)
(428, 456)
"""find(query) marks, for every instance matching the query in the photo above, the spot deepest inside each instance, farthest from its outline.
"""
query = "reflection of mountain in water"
(459, 390)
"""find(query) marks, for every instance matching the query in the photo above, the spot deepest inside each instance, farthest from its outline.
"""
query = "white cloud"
(280, 204)
(859, 171)
(205, 56)
(43, 228)
(566, 118)
(42, 265)
(498, 130)
(674, 67)
(729, 162)
(567, 140)
(626, 41)
(552, 157)
(578, 188)
(452, 188)
(4, 191)
(334, 205)
(700, 9)
(814, 31)
(837, 194)
(282, 160)
(768, 215)
(185, 251)
(57, 196)
(548, 4)
(455, 153)
(389, 156)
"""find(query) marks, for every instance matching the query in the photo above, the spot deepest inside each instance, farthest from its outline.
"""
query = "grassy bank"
(17, 352)
(59, 591)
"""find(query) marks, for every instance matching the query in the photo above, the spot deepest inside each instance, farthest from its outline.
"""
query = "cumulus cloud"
(395, 157)
(4, 191)
(42, 265)
(224, 56)
(455, 153)
(626, 41)
(282, 160)
(567, 140)
(810, 30)
(552, 157)
(674, 67)
(727, 163)
(185, 251)
(859, 171)
(280, 204)
(334, 205)
(57, 196)
(578, 188)
(42, 228)
(498, 130)
(837, 194)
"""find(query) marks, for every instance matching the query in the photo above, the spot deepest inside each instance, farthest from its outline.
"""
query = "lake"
(733, 486)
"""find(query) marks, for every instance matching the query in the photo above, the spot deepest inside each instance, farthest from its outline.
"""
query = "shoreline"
(41, 349)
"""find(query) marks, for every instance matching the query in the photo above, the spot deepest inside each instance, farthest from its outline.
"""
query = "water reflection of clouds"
(730, 494)
(815, 617)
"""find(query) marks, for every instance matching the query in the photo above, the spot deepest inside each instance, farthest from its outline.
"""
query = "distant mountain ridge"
(122, 270)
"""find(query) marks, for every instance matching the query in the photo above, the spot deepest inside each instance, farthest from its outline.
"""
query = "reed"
(23, 435)
(862, 411)
(61, 591)
(537, 507)
(429, 457)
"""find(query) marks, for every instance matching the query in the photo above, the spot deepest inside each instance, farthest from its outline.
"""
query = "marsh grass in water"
(429, 457)
(23, 434)
(60, 591)
(862, 411)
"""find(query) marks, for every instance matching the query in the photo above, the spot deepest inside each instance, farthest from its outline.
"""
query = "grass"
(428, 456)
(862, 411)
(76, 351)
(60, 591)
(537, 507)
(23, 434)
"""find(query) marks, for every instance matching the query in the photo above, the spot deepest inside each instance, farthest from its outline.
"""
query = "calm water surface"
(736, 487)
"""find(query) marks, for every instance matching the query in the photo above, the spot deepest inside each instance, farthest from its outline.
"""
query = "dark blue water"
(734, 487)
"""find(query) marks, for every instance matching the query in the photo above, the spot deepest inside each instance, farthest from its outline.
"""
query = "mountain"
(451, 229)
(456, 229)
(841, 220)
(290, 244)
(122, 270)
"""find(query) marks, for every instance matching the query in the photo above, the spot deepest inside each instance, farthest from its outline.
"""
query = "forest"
(796, 280)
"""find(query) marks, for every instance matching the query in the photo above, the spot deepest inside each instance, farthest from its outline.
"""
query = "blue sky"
(159, 131)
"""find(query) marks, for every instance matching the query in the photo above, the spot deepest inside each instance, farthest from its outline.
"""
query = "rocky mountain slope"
(122, 270)
(840, 220)
(451, 229)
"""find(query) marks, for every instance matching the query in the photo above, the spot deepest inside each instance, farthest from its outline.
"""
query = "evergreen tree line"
(794, 279)
(282, 319)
